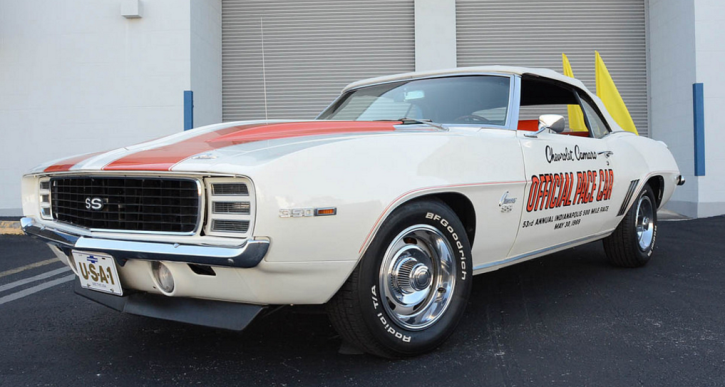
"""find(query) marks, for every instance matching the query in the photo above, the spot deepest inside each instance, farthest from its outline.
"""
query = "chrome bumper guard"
(246, 256)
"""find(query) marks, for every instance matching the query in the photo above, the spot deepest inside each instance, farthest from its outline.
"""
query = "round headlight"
(163, 277)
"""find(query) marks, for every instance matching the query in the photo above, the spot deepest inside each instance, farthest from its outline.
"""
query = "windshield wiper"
(408, 121)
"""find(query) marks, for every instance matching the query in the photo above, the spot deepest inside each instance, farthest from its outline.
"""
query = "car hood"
(206, 146)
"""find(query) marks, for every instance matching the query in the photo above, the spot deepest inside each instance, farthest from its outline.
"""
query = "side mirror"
(553, 122)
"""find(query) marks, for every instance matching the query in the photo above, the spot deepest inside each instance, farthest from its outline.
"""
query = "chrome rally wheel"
(411, 287)
(417, 277)
(633, 241)
(644, 222)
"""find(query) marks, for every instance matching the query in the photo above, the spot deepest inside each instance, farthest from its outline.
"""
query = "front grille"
(127, 203)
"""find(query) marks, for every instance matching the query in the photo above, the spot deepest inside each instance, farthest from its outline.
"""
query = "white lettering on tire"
(384, 321)
(654, 239)
(454, 235)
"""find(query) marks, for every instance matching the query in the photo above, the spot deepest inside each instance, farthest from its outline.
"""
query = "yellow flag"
(607, 92)
(576, 118)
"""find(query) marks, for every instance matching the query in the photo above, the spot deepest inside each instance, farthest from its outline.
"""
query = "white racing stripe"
(36, 288)
(38, 277)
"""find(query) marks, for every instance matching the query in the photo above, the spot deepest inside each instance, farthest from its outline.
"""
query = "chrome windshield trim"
(514, 95)
(512, 119)
(246, 256)
(466, 74)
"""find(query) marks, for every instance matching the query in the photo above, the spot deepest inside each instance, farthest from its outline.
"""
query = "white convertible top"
(470, 70)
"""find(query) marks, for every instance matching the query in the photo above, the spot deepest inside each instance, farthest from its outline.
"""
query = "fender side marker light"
(306, 212)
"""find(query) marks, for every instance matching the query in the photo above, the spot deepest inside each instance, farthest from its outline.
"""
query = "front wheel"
(410, 289)
(633, 241)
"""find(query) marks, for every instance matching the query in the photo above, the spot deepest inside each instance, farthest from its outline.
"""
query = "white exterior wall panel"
(672, 73)
(709, 22)
(206, 61)
(77, 77)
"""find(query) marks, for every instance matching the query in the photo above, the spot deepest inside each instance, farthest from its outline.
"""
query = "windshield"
(480, 99)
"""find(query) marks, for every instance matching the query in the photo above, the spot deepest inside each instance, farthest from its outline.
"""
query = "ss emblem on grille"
(95, 204)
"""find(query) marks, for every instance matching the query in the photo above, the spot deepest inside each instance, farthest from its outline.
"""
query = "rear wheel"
(633, 241)
(410, 289)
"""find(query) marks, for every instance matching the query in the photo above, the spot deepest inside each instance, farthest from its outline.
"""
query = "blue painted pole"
(188, 109)
(698, 98)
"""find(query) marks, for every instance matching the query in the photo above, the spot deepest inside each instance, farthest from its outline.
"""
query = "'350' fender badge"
(506, 203)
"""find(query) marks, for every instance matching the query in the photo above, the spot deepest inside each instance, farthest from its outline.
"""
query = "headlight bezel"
(230, 192)
(45, 207)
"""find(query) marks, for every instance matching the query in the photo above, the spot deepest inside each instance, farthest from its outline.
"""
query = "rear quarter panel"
(640, 158)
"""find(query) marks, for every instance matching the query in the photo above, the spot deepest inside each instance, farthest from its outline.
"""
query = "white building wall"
(76, 77)
(206, 61)
(710, 59)
(685, 47)
(435, 34)
(672, 72)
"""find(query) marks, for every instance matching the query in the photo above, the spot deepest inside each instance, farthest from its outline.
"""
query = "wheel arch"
(657, 183)
(460, 204)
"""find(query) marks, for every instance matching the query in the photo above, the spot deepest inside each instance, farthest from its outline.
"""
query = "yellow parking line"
(28, 267)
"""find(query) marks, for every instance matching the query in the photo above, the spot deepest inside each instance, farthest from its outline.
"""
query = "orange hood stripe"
(67, 164)
(165, 157)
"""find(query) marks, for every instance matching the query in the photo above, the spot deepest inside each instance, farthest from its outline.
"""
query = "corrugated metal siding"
(534, 33)
(312, 49)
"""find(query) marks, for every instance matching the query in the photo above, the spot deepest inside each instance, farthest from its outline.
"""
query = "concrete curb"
(10, 228)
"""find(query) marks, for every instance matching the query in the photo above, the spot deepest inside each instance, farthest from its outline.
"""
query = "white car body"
(365, 176)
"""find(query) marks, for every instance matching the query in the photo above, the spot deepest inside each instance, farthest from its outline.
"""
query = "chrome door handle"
(606, 153)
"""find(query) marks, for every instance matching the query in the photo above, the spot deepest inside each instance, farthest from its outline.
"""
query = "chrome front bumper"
(246, 256)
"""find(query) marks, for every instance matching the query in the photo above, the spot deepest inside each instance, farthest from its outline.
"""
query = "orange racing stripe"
(165, 157)
(67, 164)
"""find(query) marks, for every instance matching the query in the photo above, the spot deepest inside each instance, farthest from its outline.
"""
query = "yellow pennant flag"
(607, 92)
(576, 118)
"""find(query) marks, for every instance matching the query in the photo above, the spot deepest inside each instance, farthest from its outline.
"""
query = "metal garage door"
(534, 33)
(311, 50)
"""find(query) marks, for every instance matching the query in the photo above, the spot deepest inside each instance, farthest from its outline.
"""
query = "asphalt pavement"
(568, 319)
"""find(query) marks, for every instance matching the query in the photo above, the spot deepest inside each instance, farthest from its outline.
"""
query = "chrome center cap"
(411, 276)
(420, 277)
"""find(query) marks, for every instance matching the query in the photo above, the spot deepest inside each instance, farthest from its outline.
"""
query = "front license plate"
(98, 272)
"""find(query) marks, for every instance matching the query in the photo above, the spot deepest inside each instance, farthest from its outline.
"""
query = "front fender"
(365, 179)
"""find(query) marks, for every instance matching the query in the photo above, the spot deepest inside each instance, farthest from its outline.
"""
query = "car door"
(568, 189)
(627, 166)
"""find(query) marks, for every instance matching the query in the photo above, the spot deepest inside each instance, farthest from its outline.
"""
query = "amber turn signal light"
(325, 211)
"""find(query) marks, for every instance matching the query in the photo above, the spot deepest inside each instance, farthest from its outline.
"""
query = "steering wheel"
(473, 118)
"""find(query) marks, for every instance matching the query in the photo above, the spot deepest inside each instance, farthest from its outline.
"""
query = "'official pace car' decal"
(568, 189)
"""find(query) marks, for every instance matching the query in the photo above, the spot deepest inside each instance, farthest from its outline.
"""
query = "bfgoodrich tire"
(411, 287)
(633, 241)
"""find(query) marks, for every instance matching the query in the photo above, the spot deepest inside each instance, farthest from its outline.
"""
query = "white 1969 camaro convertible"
(383, 208)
